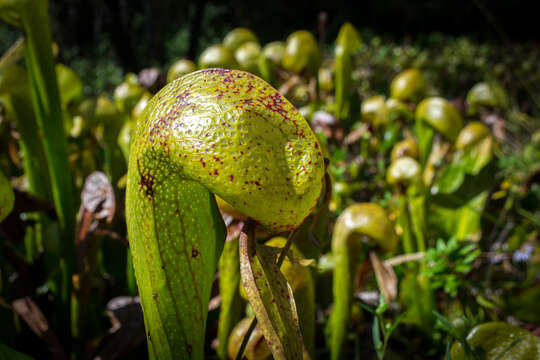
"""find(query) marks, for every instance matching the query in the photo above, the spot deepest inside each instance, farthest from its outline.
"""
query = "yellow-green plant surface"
(432, 115)
(440, 114)
(231, 305)
(499, 340)
(270, 59)
(6, 197)
(217, 56)
(212, 131)
(484, 94)
(348, 42)
(301, 281)
(271, 298)
(358, 228)
(301, 52)
(408, 85)
(374, 110)
(33, 17)
(180, 68)
(256, 348)
(237, 37)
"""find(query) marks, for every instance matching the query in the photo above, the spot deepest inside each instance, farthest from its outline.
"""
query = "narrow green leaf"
(425, 135)
(464, 250)
(395, 324)
(347, 43)
(33, 16)
(15, 93)
(417, 209)
(444, 322)
(447, 353)
(271, 298)
(365, 307)
(471, 257)
(6, 197)
(376, 335)
(231, 304)
(7, 353)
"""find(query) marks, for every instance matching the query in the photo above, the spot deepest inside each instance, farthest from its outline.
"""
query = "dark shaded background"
(141, 33)
(104, 39)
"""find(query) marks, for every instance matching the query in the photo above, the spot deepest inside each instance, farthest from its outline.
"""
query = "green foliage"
(33, 17)
(496, 341)
(447, 264)
(348, 43)
(265, 288)
(168, 187)
(221, 146)
(381, 326)
(6, 197)
(7, 353)
(230, 309)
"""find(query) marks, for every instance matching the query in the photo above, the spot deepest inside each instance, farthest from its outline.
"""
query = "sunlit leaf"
(231, 305)
(348, 42)
(271, 298)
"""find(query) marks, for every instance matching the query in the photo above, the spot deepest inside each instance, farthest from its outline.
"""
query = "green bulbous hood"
(440, 114)
(138, 109)
(13, 83)
(99, 114)
(180, 68)
(408, 85)
(301, 52)
(495, 338)
(471, 135)
(326, 81)
(486, 95)
(13, 80)
(374, 110)
(366, 219)
(256, 348)
(127, 94)
(404, 170)
(252, 149)
(13, 11)
(237, 37)
(217, 56)
(398, 110)
(274, 52)
(406, 147)
(247, 56)
(6, 197)
(348, 39)
(270, 59)
(70, 84)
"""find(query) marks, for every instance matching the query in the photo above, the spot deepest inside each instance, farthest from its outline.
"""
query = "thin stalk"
(245, 340)
(46, 103)
(35, 168)
(130, 275)
(403, 219)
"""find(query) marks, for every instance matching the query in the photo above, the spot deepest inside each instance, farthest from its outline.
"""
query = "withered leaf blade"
(127, 328)
(34, 318)
(271, 297)
(386, 277)
(97, 196)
